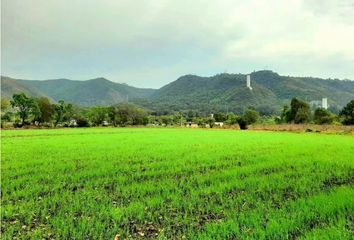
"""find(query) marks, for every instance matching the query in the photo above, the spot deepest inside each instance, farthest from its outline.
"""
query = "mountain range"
(222, 92)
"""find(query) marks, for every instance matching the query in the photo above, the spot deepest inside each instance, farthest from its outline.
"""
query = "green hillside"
(222, 92)
(99, 91)
(9, 86)
(270, 92)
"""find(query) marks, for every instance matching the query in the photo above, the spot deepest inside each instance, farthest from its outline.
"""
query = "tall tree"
(24, 104)
(123, 114)
(36, 112)
(5, 116)
(303, 115)
(63, 112)
(347, 113)
(299, 111)
(98, 114)
(46, 109)
(231, 119)
(285, 115)
(220, 117)
(5, 104)
(251, 116)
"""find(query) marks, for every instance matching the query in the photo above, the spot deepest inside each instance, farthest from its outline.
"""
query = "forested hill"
(228, 92)
(222, 92)
(99, 91)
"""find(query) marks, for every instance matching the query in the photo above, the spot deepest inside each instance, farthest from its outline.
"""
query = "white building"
(248, 82)
(320, 103)
(324, 103)
(315, 104)
(220, 124)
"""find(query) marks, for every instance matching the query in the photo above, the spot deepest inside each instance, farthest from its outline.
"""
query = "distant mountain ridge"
(222, 92)
(228, 92)
(98, 91)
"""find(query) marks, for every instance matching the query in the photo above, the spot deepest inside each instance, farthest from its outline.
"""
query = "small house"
(219, 124)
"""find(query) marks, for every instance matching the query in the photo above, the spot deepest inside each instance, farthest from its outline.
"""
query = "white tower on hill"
(249, 81)
(324, 103)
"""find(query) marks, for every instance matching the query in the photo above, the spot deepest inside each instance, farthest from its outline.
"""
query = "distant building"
(248, 82)
(105, 123)
(315, 104)
(319, 103)
(191, 125)
(324, 103)
(220, 124)
(72, 123)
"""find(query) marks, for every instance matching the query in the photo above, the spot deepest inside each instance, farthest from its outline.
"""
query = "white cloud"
(163, 38)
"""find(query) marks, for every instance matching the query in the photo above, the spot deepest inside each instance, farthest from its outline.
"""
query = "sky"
(151, 43)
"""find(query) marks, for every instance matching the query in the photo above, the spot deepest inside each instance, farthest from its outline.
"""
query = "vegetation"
(63, 112)
(127, 114)
(46, 110)
(242, 123)
(41, 112)
(98, 115)
(88, 93)
(250, 116)
(175, 184)
(26, 106)
(5, 104)
(322, 116)
(5, 116)
(348, 113)
(219, 93)
(228, 92)
(299, 111)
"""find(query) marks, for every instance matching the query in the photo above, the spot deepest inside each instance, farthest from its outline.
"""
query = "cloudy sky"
(150, 43)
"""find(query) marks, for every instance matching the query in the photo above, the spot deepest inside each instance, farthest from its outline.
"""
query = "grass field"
(176, 184)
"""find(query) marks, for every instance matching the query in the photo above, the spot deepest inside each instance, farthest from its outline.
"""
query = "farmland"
(176, 183)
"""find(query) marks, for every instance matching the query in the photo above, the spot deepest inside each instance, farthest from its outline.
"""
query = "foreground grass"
(176, 183)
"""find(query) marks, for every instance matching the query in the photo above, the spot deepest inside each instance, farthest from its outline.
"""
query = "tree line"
(299, 112)
(23, 110)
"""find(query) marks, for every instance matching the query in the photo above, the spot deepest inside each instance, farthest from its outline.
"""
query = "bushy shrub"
(251, 116)
(82, 122)
(322, 116)
(302, 115)
(347, 113)
(17, 124)
(242, 123)
(299, 112)
(210, 121)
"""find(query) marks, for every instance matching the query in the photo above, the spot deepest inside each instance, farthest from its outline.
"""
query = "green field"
(176, 184)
